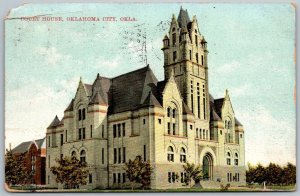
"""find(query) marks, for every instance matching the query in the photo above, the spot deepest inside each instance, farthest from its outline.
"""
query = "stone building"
(167, 122)
(35, 159)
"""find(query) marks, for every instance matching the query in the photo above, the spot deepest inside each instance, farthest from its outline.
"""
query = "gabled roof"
(151, 101)
(128, 90)
(183, 18)
(218, 103)
(24, 146)
(54, 123)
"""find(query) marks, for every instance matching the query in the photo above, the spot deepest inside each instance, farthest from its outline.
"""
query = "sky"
(251, 53)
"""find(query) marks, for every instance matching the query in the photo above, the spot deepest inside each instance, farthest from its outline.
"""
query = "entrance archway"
(207, 165)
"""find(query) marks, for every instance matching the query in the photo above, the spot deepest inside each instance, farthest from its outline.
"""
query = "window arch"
(172, 119)
(74, 154)
(182, 155)
(83, 156)
(170, 154)
(228, 158)
(236, 159)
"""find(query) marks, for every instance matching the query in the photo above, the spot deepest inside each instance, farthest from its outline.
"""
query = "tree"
(15, 169)
(192, 173)
(70, 172)
(146, 174)
(289, 174)
(138, 171)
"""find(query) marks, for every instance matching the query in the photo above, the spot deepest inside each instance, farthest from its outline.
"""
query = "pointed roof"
(97, 99)
(151, 101)
(70, 107)
(218, 103)
(237, 122)
(54, 123)
(213, 115)
(24, 146)
(183, 18)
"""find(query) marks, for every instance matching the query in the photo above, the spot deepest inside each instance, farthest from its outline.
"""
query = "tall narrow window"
(169, 112)
(182, 155)
(49, 141)
(123, 129)
(192, 102)
(115, 130)
(82, 156)
(83, 113)
(83, 133)
(144, 152)
(197, 133)
(169, 128)
(196, 40)
(124, 154)
(174, 56)
(174, 113)
(170, 154)
(114, 178)
(204, 113)
(119, 178)
(102, 155)
(119, 130)
(115, 155)
(49, 161)
(174, 38)
(102, 131)
(202, 60)
(200, 134)
(79, 134)
(90, 178)
(79, 114)
(228, 158)
(66, 138)
(124, 177)
(236, 159)
(61, 139)
(119, 155)
(174, 129)
(190, 55)
(198, 103)
(91, 131)
(197, 60)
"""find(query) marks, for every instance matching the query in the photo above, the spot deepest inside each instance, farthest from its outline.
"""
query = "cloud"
(228, 68)
(102, 62)
(51, 55)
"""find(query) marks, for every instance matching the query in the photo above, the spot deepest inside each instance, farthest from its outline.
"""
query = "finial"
(181, 7)
(173, 17)
(98, 75)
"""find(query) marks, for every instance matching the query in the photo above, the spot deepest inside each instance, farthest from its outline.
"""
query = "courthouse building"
(167, 122)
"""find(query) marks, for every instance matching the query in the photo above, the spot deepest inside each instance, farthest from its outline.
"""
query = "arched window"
(79, 114)
(173, 29)
(169, 112)
(228, 158)
(174, 113)
(236, 159)
(73, 154)
(170, 154)
(82, 156)
(182, 155)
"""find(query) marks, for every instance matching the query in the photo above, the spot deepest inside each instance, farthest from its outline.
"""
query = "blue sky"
(251, 53)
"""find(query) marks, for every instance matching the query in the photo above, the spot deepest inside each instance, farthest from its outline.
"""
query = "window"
(228, 158)
(174, 113)
(191, 126)
(169, 177)
(91, 128)
(144, 121)
(174, 56)
(48, 179)
(79, 114)
(83, 133)
(190, 55)
(207, 137)
(144, 152)
(169, 112)
(115, 130)
(173, 177)
(200, 133)
(90, 178)
(82, 156)
(119, 130)
(174, 38)
(197, 133)
(202, 60)
(197, 60)
(182, 155)
(221, 132)
(170, 154)
(241, 136)
(183, 177)
(159, 121)
(73, 154)
(49, 161)
(204, 113)
(236, 159)
(169, 128)
(123, 128)
(102, 131)
(119, 178)
(114, 178)
(79, 134)
(196, 40)
(102, 155)
(115, 155)
(66, 138)
(174, 128)
(119, 155)
(83, 113)
(124, 154)
(124, 177)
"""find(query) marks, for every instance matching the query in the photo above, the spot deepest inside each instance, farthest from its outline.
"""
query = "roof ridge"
(146, 67)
